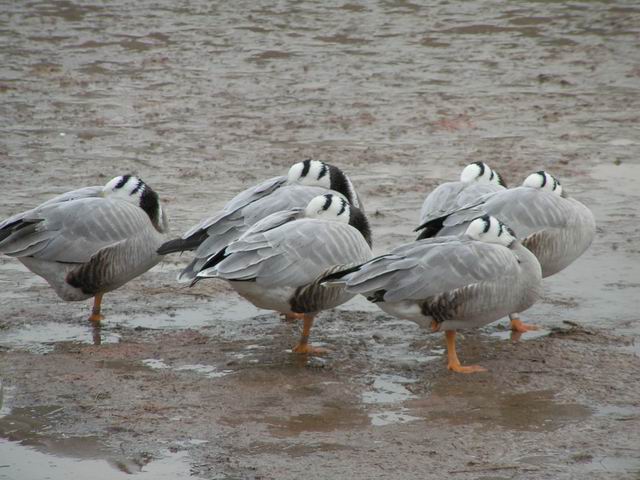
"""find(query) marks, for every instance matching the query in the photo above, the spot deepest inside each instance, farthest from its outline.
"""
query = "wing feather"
(228, 226)
(452, 196)
(426, 268)
(73, 231)
(293, 254)
(238, 202)
(7, 226)
(525, 210)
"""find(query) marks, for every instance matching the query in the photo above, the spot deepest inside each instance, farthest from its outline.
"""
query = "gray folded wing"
(293, 254)
(452, 196)
(238, 202)
(73, 231)
(525, 210)
(430, 267)
(86, 192)
(228, 227)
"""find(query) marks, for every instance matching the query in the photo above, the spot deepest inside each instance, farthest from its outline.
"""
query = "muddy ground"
(204, 99)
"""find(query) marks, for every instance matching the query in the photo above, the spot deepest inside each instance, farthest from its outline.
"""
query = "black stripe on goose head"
(498, 179)
(133, 190)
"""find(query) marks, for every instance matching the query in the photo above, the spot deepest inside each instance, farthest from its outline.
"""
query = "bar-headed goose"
(90, 241)
(304, 181)
(276, 263)
(556, 228)
(476, 179)
(450, 283)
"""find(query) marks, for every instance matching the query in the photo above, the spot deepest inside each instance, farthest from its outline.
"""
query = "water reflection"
(30, 451)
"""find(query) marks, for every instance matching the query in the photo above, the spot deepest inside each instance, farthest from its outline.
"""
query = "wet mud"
(204, 99)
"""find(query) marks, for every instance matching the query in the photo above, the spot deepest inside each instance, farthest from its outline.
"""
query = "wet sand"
(204, 100)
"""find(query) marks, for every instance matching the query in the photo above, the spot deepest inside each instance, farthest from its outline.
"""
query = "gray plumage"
(238, 202)
(82, 243)
(85, 192)
(239, 215)
(452, 196)
(276, 264)
(556, 229)
(456, 281)
(304, 181)
(476, 179)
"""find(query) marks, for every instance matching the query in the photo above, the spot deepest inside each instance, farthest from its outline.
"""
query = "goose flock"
(301, 243)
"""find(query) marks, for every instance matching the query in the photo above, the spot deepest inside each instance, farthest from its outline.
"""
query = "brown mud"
(203, 99)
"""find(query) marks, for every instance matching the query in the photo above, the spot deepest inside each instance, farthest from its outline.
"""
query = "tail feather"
(182, 244)
(431, 228)
(334, 277)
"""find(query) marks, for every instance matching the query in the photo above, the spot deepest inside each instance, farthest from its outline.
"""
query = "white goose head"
(480, 172)
(125, 187)
(321, 174)
(328, 207)
(544, 181)
(491, 230)
(335, 208)
(133, 190)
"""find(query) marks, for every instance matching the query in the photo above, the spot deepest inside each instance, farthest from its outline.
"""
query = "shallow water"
(26, 462)
(208, 371)
(205, 315)
(600, 285)
(30, 451)
(204, 99)
(42, 336)
(531, 411)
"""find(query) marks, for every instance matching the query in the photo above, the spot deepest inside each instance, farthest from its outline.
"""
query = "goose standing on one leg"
(90, 241)
(304, 181)
(276, 263)
(557, 229)
(451, 282)
(477, 179)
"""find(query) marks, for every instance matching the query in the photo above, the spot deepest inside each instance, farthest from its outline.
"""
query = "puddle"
(206, 315)
(517, 337)
(23, 462)
(612, 465)
(388, 389)
(41, 337)
(399, 93)
(464, 404)
(603, 293)
(618, 413)
(389, 341)
(29, 452)
(381, 419)
(208, 371)
(584, 464)
(338, 417)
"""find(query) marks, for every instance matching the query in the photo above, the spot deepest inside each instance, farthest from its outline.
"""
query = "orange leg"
(96, 316)
(452, 356)
(303, 345)
(518, 325)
